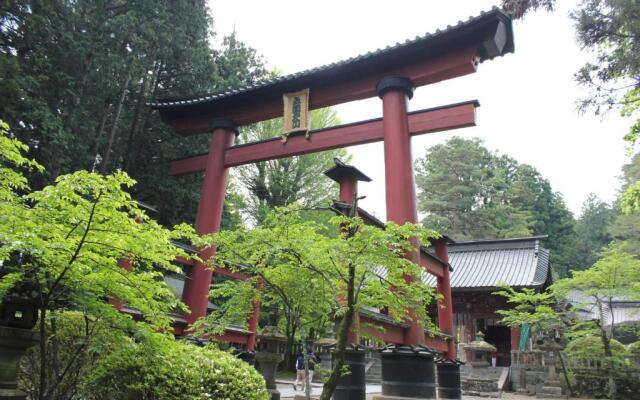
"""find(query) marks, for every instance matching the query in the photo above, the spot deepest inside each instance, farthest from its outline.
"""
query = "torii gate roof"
(487, 36)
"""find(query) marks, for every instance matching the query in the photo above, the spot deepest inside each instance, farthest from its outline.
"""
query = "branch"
(78, 248)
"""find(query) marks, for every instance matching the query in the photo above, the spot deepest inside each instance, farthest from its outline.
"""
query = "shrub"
(74, 345)
(162, 368)
(634, 349)
(591, 347)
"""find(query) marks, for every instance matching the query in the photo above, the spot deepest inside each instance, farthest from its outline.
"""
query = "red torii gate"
(390, 73)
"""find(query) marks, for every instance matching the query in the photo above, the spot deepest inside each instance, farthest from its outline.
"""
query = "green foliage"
(518, 8)
(288, 252)
(278, 183)
(610, 29)
(630, 201)
(75, 344)
(615, 275)
(634, 349)
(62, 248)
(468, 192)
(75, 77)
(529, 307)
(161, 368)
(593, 231)
(11, 154)
(591, 347)
(303, 271)
(626, 225)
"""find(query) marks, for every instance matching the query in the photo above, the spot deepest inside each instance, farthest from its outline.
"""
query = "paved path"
(286, 392)
(286, 389)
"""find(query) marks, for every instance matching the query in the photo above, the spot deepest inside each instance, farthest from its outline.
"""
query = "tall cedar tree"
(468, 192)
(593, 231)
(75, 76)
(626, 226)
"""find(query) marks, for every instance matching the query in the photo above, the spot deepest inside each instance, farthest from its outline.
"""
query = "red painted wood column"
(347, 177)
(399, 180)
(209, 217)
(445, 306)
(252, 323)
(515, 339)
(348, 192)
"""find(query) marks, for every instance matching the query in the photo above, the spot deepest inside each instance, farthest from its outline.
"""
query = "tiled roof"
(519, 262)
(433, 40)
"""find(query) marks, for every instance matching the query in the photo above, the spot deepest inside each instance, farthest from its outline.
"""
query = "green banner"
(524, 335)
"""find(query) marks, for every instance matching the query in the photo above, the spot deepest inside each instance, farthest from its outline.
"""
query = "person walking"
(299, 371)
(312, 360)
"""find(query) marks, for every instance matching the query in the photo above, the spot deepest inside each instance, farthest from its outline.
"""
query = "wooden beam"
(431, 266)
(454, 116)
(448, 66)
(388, 334)
(436, 343)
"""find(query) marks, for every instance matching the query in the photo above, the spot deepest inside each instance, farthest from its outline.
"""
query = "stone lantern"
(479, 381)
(269, 356)
(551, 389)
(17, 318)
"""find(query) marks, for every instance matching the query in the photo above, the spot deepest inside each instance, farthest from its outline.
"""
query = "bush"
(634, 350)
(593, 377)
(74, 345)
(591, 347)
(165, 369)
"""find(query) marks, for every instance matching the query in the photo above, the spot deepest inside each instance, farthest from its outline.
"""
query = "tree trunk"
(290, 333)
(145, 122)
(341, 345)
(43, 350)
(606, 344)
(114, 127)
(134, 124)
(99, 132)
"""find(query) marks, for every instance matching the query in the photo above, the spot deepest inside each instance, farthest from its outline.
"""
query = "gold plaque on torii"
(296, 114)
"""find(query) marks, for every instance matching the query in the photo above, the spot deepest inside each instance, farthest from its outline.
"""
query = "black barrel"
(449, 379)
(352, 386)
(408, 371)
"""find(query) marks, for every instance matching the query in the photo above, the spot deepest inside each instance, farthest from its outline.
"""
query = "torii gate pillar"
(209, 217)
(399, 180)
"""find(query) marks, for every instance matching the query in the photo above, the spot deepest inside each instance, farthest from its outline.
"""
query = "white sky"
(528, 99)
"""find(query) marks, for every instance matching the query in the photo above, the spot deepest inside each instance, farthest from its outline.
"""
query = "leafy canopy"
(62, 247)
(290, 252)
(279, 183)
(469, 192)
(529, 307)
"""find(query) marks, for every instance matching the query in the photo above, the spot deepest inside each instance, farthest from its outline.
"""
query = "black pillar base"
(449, 379)
(352, 386)
(408, 372)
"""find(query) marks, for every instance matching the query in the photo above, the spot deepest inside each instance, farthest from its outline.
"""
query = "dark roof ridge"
(438, 33)
(506, 240)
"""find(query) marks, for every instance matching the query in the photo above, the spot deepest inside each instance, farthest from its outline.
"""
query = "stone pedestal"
(13, 344)
(268, 365)
(551, 388)
(408, 372)
(479, 383)
(269, 355)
